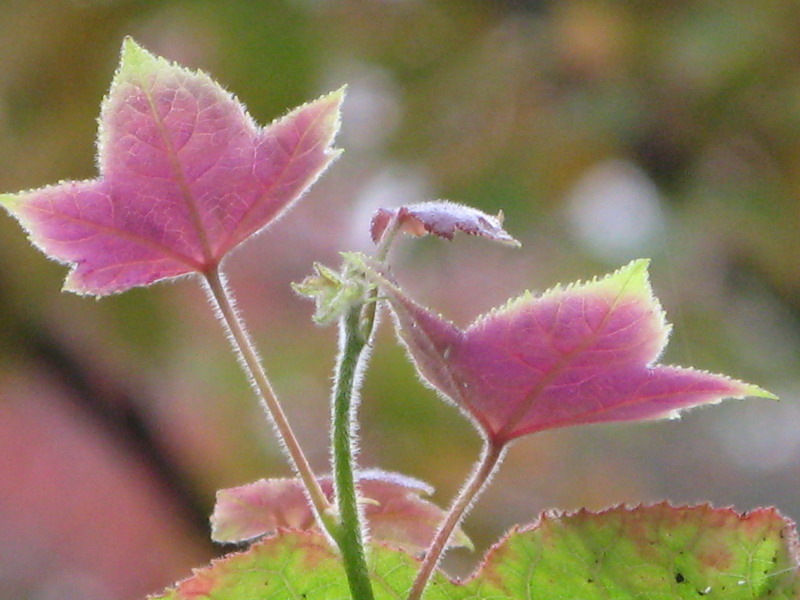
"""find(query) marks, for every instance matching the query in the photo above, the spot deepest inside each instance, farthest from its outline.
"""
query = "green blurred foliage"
(605, 130)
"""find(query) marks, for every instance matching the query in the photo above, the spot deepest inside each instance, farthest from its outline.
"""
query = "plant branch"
(387, 239)
(223, 302)
(352, 356)
(490, 458)
(381, 254)
(355, 332)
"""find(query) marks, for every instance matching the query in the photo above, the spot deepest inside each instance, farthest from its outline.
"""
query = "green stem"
(352, 355)
(381, 253)
(223, 301)
(355, 332)
(490, 459)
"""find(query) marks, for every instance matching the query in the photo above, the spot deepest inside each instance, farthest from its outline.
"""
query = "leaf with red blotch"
(653, 552)
(185, 176)
(642, 553)
(440, 218)
(394, 510)
(577, 354)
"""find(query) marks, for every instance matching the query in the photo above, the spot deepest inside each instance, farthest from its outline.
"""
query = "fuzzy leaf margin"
(441, 218)
(657, 552)
(576, 354)
(395, 510)
(185, 176)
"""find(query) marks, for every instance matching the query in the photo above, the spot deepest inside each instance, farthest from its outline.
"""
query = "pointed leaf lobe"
(578, 354)
(185, 176)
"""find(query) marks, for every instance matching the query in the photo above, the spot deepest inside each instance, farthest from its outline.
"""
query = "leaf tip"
(129, 45)
(508, 240)
(335, 153)
(74, 284)
(9, 201)
(462, 540)
(133, 57)
(338, 94)
(636, 273)
(329, 106)
(639, 265)
(333, 107)
(630, 280)
(739, 390)
(755, 391)
(324, 120)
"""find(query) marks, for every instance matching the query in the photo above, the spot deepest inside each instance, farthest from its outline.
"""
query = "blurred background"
(605, 130)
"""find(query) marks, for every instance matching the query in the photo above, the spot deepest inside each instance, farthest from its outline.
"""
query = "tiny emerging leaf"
(394, 508)
(334, 293)
(441, 218)
(578, 354)
(185, 176)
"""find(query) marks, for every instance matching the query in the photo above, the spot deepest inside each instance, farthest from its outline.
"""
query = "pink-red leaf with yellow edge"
(185, 176)
(644, 553)
(578, 354)
(394, 508)
(441, 218)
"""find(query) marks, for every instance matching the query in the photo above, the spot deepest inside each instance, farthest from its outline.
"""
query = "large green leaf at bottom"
(646, 553)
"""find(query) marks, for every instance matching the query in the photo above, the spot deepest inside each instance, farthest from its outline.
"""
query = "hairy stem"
(490, 459)
(352, 355)
(223, 302)
(381, 253)
(355, 332)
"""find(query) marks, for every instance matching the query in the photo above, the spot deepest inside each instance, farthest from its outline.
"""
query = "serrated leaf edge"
(637, 268)
(791, 537)
(789, 534)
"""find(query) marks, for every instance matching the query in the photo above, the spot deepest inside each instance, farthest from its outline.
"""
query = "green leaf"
(291, 565)
(657, 552)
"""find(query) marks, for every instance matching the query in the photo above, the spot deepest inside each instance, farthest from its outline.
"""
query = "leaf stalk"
(223, 302)
(490, 459)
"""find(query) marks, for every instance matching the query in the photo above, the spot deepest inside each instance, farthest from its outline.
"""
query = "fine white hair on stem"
(491, 457)
(487, 478)
(236, 345)
(225, 309)
(354, 404)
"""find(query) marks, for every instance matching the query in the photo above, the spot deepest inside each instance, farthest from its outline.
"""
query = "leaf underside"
(185, 176)
(394, 509)
(578, 354)
(441, 218)
(658, 552)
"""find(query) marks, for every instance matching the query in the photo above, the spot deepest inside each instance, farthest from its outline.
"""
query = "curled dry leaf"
(440, 218)
(394, 508)
(185, 176)
(578, 354)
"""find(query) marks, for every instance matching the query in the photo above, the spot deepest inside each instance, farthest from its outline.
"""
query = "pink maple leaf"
(185, 176)
(579, 354)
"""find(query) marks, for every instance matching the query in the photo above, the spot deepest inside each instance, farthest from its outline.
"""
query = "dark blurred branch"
(110, 407)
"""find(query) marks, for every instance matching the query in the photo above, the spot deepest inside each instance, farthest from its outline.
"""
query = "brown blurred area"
(605, 130)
